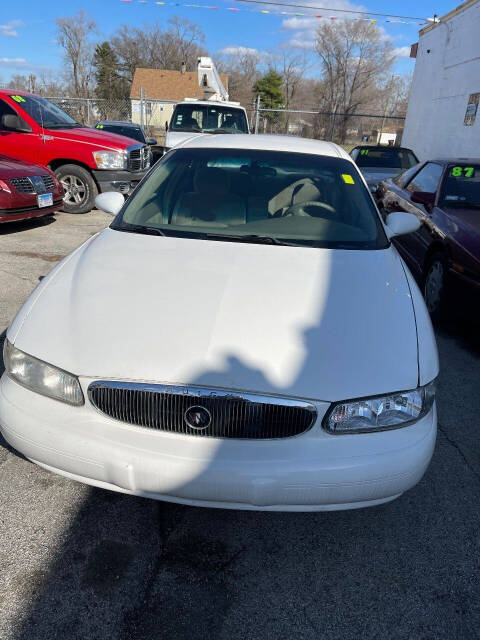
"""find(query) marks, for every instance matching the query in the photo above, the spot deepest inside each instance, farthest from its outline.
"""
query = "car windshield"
(123, 130)
(387, 158)
(208, 119)
(256, 196)
(45, 113)
(461, 187)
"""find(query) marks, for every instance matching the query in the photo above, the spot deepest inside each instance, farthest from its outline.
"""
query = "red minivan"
(85, 161)
(27, 191)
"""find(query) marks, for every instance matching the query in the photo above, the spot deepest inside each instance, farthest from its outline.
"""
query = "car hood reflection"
(312, 323)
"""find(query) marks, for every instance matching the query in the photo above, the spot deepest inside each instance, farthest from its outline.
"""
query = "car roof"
(380, 146)
(215, 103)
(454, 160)
(267, 142)
(119, 122)
(16, 93)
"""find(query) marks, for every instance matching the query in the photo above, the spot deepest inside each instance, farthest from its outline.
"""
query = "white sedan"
(243, 335)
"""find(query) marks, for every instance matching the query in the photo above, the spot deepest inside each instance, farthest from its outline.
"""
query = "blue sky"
(27, 27)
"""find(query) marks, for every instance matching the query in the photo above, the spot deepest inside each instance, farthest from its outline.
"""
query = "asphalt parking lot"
(77, 562)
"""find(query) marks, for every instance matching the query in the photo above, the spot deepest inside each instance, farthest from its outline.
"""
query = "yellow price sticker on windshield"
(347, 178)
(18, 98)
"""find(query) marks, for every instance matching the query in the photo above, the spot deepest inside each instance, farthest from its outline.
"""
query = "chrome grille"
(232, 414)
(48, 182)
(24, 185)
(138, 158)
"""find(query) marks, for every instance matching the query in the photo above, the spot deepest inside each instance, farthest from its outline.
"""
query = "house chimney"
(184, 68)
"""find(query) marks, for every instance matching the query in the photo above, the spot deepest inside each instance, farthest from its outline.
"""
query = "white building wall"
(447, 71)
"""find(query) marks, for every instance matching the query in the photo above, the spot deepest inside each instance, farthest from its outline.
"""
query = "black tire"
(79, 186)
(434, 285)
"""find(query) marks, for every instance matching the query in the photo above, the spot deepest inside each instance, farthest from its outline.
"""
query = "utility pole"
(387, 104)
(333, 123)
(257, 114)
(141, 108)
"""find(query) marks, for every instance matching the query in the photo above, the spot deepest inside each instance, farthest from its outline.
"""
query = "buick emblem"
(38, 184)
(198, 418)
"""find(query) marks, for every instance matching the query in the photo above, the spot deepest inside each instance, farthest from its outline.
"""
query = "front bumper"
(24, 213)
(117, 180)
(311, 472)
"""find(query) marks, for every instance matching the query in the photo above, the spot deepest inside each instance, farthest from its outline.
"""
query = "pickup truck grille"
(201, 411)
(139, 158)
(25, 185)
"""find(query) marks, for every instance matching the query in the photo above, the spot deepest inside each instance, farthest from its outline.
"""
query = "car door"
(413, 246)
(427, 180)
(25, 146)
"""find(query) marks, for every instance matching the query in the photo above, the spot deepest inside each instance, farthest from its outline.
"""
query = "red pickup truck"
(86, 161)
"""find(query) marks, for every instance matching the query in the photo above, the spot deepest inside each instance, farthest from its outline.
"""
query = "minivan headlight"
(110, 159)
(43, 378)
(380, 413)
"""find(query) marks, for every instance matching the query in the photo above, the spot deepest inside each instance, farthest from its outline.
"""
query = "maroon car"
(27, 191)
(444, 253)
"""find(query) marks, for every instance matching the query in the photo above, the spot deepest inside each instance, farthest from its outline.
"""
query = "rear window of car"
(123, 130)
(296, 198)
(461, 186)
(388, 157)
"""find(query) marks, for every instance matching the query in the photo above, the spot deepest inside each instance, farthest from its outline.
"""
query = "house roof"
(167, 84)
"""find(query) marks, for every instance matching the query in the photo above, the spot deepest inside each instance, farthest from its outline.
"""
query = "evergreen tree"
(270, 89)
(111, 89)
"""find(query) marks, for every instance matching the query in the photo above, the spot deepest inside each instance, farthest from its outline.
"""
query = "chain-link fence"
(347, 130)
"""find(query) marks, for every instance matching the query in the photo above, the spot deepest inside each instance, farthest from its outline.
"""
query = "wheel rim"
(434, 285)
(75, 190)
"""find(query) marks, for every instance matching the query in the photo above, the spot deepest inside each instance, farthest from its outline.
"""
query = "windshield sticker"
(455, 198)
(18, 98)
(364, 152)
(462, 172)
(347, 178)
(99, 126)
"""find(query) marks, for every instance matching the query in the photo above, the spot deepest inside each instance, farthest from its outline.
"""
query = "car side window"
(404, 177)
(5, 110)
(427, 179)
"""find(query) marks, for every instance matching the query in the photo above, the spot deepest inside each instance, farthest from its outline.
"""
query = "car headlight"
(380, 413)
(38, 376)
(110, 159)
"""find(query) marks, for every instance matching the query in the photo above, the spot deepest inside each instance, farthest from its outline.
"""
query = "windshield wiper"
(249, 238)
(139, 228)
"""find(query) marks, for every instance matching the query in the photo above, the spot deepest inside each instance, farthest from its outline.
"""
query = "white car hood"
(176, 137)
(313, 323)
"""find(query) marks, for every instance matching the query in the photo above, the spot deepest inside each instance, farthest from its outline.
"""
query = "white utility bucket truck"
(214, 114)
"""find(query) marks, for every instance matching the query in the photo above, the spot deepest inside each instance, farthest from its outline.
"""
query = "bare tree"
(243, 69)
(153, 46)
(74, 35)
(355, 59)
(292, 66)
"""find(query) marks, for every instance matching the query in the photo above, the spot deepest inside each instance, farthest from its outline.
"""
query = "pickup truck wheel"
(79, 187)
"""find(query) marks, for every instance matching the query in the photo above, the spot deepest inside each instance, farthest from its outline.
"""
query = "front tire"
(79, 188)
(435, 285)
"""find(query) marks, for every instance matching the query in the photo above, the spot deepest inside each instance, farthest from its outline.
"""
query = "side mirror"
(423, 197)
(12, 122)
(111, 202)
(400, 223)
(151, 142)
